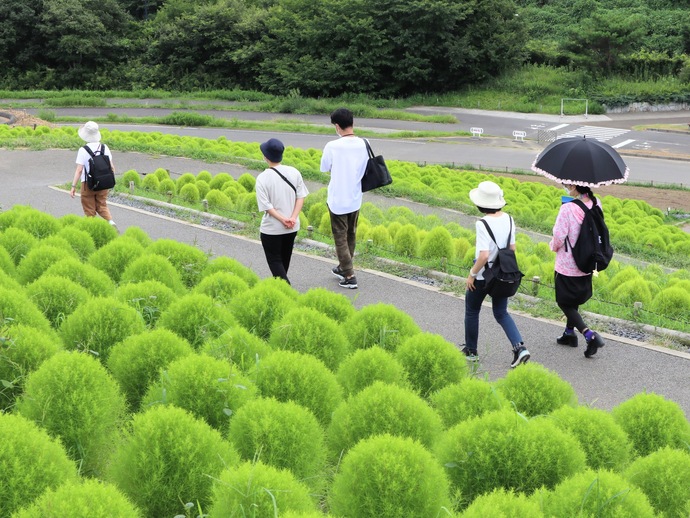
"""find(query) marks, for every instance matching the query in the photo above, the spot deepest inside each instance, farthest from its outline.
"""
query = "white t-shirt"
(83, 156)
(500, 226)
(346, 160)
(272, 192)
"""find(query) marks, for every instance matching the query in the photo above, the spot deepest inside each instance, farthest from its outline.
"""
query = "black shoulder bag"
(376, 174)
(504, 277)
(286, 180)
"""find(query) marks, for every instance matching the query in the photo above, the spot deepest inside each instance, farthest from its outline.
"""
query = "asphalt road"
(616, 373)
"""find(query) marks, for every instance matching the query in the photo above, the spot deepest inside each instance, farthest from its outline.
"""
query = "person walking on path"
(280, 193)
(488, 197)
(92, 202)
(345, 159)
(573, 286)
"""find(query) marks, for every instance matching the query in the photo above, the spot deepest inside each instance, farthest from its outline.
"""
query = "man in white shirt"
(346, 160)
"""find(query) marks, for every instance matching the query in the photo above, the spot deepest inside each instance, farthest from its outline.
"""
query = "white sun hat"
(488, 195)
(89, 132)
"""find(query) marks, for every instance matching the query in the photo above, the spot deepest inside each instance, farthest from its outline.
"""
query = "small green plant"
(149, 298)
(221, 286)
(188, 260)
(238, 346)
(153, 267)
(190, 193)
(38, 224)
(438, 244)
(471, 397)
(232, 266)
(218, 200)
(247, 181)
(150, 183)
(380, 324)
(16, 307)
(17, 242)
(73, 397)
(501, 502)
(366, 366)
(334, 305)
(90, 277)
(114, 257)
(130, 176)
(389, 477)
(219, 181)
(6, 262)
(169, 457)
(80, 241)
(32, 462)
(56, 297)
(37, 261)
(406, 241)
(138, 235)
(167, 186)
(100, 230)
(259, 307)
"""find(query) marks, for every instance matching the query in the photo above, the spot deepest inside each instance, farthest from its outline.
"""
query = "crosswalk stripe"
(624, 143)
(595, 132)
(560, 126)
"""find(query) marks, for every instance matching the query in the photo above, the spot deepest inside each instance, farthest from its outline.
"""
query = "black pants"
(278, 250)
(571, 292)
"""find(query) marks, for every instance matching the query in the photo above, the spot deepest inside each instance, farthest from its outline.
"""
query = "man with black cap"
(280, 193)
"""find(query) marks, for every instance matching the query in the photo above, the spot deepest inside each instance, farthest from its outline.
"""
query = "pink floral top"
(568, 223)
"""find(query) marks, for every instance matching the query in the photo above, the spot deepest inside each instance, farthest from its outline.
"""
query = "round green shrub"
(38, 224)
(100, 323)
(188, 260)
(169, 458)
(233, 266)
(87, 276)
(209, 388)
(247, 202)
(151, 183)
(406, 241)
(306, 330)
(334, 305)
(37, 261)
(185, 179)
(218, 200)
(389, 477)
(604, 442)
(663, 477)
(238, 346)
(652, 422)
(56, 297)
(259, 307)
(591, 493)
(113, 257)
(219, 180)
(149, 298)
(316, 211)
(366, 366)
(167, 186)
(73, 397)
(247, 181)
(196, 318)
(6, 262)
(471, 397)
(204, 176)
(284, 435)
(504, 503)
(221, 286)
(535, 390)
(89, 499)
(161, 174)
(671, 302)
(633, 291)
(431, 362)
(136, 361)
(80, 241)
(380, 324)
(31, 461)
(438, 244)
(260, 490)
(302, 378)
(153, 267)
(100, 230)
(137, 234)
(16, 307)
(503, 449)
(203, 188)
(190, 193)
(9, 217)
(379, 409)
(130, 176)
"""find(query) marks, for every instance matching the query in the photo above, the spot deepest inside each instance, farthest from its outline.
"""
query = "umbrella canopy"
(581, 161)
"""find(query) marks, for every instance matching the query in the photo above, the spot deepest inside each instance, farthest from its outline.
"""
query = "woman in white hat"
(488, 197)
(93, 202)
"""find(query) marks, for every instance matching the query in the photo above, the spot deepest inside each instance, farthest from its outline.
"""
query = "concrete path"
(616, 373)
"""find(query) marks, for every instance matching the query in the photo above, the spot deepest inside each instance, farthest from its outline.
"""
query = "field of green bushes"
(143, 377)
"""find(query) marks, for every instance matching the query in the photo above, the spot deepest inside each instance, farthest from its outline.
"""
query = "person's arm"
(76, 180)
(481, 261)
(560, 229)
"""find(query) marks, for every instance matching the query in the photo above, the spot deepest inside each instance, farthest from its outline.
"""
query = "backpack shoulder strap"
(581, 204)
(488, 229)
(88, 150)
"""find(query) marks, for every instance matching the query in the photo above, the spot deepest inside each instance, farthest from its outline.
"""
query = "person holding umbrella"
(579, 164)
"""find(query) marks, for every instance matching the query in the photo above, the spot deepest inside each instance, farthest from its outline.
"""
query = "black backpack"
(504, 277)
(99, 175)
(592, 251)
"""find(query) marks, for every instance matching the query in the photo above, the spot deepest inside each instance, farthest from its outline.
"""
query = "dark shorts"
(573, 291)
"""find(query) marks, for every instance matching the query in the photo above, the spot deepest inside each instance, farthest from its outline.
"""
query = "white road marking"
(624, 143)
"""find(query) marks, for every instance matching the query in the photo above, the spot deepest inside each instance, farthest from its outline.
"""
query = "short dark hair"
(343, 118)
(484, 210)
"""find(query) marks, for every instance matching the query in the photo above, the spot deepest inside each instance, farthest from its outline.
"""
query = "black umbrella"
(581, 161)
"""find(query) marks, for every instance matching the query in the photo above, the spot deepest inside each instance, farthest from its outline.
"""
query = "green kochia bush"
(197, 318)
(18, 308)
(221, 286)
(31, 461)
(503, 449)
(38, 224)
(504, 503)
(380, 409)
(100, 323)
(80, 241)
(238, 346)
(138, 235)
(153, 267)
(535, 390)
(211, 389)
(233, 266)
(6, 262)
(604, 442)
(115, 256)
(17, 242)
(137, 360)
(302, 378)
(100, 230)
(591, 493)
(309, 331)
(471, 397)
(389, 477)
(188, 260)
(406, 241)
(39, 259)
(652, 422)
(438, 244)
(380, 324)
(73, 397)
(663, 476)
(56, 297)
(84, 274)
(148, 298)
(431, 362)
(283, 435)
(335, 305)
(259, 307)
(169, 458)
(366, 366)
(90, 499)
(255, 489)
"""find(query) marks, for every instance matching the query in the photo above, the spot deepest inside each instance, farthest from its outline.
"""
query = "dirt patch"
(24, 119)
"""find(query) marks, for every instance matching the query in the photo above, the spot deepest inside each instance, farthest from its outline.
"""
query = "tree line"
(388, 48)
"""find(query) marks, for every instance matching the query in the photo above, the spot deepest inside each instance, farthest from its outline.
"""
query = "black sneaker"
(338, 272)
(567, 339)
(350, 283)
(520, 356)
(595, 343)
(470, 355)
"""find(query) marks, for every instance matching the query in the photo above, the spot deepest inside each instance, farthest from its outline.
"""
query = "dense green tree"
(20, 42)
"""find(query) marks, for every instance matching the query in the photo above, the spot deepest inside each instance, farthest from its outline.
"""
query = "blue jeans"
(473, 305)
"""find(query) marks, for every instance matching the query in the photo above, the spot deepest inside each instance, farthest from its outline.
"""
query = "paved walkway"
(616, 373)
